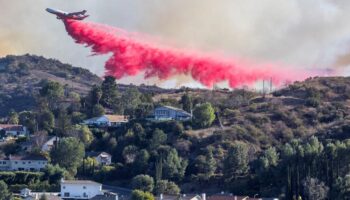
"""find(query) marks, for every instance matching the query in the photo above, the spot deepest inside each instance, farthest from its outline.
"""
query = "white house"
(23, 163)
(13, 130)
(164, 113)
(107, 121)
(102, 158)
(80, 189)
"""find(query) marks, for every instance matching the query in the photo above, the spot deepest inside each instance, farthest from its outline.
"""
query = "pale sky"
(301, 33)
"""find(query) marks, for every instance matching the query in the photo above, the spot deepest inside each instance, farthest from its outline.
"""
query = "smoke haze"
(313, 33)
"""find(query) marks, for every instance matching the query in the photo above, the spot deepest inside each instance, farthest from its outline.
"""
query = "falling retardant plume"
(133, 54)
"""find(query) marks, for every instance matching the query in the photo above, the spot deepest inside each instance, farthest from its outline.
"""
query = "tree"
(140, 195)
(95, 95)
(206, 165)
(69, 154)
(204, 115)
(129, 153)
(131, 99)
(174, 166)
(83, 133)
(28, 119)
(236, 162)
(54, 173)
(97, 110)
(141, 162)
(158, 138)
(110, 94)
(342, 188)
(186, 102)
(46, 121)
(315, 189)
(166, 187)
(63, 122)
(143, 182)
(4, 192)
(13, 118)
(52, 92)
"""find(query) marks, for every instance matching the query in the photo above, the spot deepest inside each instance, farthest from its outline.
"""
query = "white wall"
(77, 190)
(28, 164)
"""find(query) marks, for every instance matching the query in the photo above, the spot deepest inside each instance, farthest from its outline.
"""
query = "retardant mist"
(133, 54)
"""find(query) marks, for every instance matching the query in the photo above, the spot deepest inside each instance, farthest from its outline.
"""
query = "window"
(85, 195)
(84, 187)
(64, 187)
(29, 162)
(24, 163)
(66, 194)
(16, 162)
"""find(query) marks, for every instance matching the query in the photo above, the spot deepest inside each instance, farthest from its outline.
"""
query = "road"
(122, 192)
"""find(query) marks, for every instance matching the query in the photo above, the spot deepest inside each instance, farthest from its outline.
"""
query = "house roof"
(11, 127)
(23, 157)
(95, 154)
(111, 118)
(83, 182)
(176, 109)
(229, 197)
(116, 118)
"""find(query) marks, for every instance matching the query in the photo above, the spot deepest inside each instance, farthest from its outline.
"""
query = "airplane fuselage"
(65, 15)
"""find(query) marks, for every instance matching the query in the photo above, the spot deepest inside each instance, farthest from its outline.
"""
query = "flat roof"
(80, 182)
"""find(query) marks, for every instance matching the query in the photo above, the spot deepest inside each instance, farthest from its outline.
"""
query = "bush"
(140, 195)
(166, 187)
(143, 182)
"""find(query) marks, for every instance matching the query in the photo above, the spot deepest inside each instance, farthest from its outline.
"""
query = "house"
(27, 194)
(13, 130)
(102, 158)
(49, 144)
(224, 196)
(80, 189)
(107, 121)
(164, 113)
(23, 163)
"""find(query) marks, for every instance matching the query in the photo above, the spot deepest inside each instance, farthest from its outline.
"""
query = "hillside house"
(13, 130)
(164, 113)
(102, 158)
(107, 121)
(80, 189)
(23, 163)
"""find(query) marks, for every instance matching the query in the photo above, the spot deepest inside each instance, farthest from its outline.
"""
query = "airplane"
(65, 15)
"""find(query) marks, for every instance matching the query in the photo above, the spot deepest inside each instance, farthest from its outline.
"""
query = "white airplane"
(65, 15)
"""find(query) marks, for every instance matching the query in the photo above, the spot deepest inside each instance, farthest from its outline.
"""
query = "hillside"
(22, 76)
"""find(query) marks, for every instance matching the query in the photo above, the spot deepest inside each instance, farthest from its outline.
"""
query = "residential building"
(164, 113)
(13, 130)
(27, 194)
(102, 158)
(107, 121)
(225, 196)
(80, 189)
(23, 163)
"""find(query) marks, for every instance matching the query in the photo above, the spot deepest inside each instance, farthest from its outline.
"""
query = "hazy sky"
(302, 33)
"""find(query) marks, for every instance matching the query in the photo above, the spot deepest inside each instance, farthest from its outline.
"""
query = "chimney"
(161, 196)
(204, 196)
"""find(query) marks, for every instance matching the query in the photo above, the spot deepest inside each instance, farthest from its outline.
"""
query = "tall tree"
(186, 102)
(69, 154)
(4, 192)
(236, 162)
(204, 115)
(110, 94)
